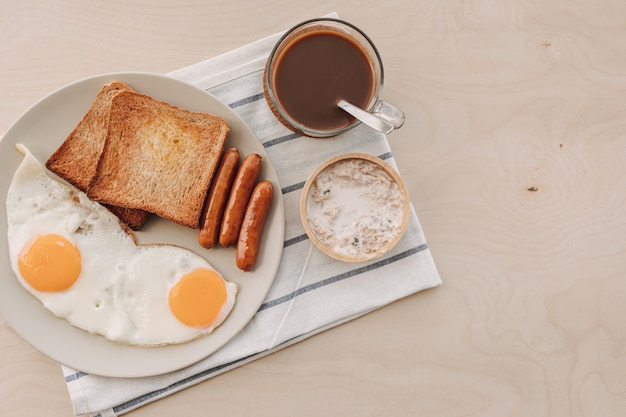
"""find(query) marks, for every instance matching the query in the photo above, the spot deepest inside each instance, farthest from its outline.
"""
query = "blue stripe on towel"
(337, 278)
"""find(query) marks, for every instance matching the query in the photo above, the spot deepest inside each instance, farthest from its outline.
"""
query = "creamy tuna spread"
(355, 208)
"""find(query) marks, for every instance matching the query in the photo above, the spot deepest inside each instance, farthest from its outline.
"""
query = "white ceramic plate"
(42, 129)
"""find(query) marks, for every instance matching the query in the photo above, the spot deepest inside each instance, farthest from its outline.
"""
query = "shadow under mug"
(313, 66)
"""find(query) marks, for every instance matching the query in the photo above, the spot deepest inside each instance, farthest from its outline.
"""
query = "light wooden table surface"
(514, 153)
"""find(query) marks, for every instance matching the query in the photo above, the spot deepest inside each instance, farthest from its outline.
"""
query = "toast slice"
(77, 157)
(158, 158)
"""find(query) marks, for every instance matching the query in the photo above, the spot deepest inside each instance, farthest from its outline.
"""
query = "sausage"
(239, 195)
(252, 225)
(217, 198)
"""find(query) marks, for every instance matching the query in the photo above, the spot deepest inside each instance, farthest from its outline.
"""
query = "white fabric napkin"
(311, 292)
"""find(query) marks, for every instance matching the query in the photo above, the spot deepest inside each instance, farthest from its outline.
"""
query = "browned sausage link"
(252, 225)
(239, 195)
(217, 197)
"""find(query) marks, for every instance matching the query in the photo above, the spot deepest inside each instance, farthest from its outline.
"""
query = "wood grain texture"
(513, 153)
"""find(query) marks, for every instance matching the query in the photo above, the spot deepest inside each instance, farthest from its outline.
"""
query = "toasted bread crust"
(77, 157)
(158, 158)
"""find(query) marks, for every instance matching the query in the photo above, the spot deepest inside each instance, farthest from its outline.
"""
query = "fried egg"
(75, 257)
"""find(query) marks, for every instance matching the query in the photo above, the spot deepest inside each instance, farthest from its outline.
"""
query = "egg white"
(121, 292)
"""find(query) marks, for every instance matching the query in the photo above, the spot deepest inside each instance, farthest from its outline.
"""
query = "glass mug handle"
(384, 117)
(390, 113)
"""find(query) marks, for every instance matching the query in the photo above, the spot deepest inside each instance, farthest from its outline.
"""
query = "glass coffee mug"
(316, 65)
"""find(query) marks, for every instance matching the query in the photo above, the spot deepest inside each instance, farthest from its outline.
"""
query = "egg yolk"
(49, 263)
(198, 297)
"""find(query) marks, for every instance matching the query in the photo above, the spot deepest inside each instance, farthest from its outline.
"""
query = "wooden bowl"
(385, 205)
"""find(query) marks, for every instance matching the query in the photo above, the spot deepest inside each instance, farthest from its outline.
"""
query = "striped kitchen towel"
(311, 292)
